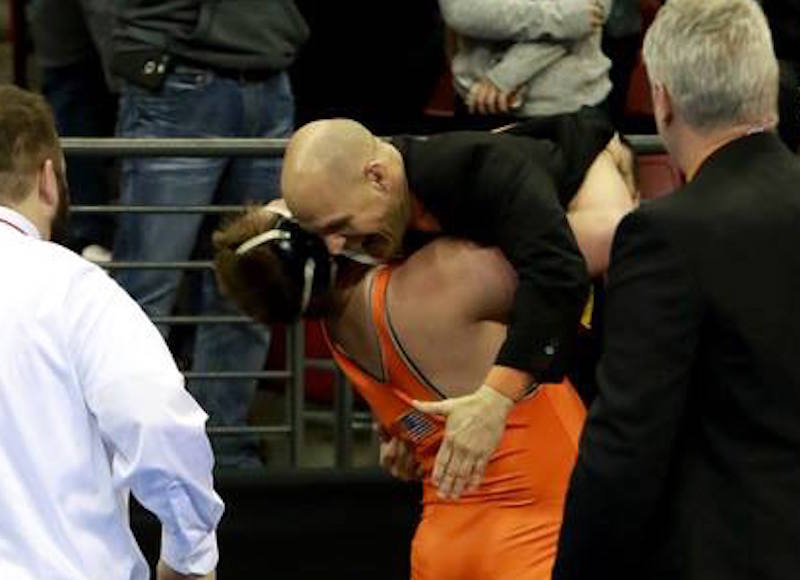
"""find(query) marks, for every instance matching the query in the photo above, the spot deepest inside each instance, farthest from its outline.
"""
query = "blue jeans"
(196, 103)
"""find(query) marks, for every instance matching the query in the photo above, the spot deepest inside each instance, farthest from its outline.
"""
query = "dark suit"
(689, 464)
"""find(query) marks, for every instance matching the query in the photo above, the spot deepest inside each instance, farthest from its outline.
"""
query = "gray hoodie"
(547, 47)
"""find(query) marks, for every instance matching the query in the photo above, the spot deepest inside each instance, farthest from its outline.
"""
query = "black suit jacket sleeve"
(531, 228)
(502, 191)
(510, 191)
(652, 327)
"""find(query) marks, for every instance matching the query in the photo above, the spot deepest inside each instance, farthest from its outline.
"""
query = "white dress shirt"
(92, 406)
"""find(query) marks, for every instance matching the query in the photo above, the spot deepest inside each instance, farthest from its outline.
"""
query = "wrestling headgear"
(303, 256)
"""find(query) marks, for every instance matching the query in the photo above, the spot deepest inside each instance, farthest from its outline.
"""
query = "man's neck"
(30, 219)
(421, 219)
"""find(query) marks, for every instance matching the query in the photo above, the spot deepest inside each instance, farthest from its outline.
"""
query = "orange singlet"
(508, 528)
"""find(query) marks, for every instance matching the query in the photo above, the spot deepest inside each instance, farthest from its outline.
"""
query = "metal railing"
(344, 418)
(229, 146)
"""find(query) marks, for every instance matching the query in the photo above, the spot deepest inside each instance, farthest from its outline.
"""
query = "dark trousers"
(84, 107)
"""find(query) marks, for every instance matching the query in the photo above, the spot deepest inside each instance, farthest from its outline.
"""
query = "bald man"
(507, 190)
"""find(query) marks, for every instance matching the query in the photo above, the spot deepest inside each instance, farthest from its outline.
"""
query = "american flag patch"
(416, 426)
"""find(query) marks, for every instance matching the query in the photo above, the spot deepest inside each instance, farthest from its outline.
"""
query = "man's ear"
(662, 104)
(377, 175)
(48, 185)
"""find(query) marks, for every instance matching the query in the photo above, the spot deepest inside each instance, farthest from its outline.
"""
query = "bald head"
(324, 161)
(342, 182)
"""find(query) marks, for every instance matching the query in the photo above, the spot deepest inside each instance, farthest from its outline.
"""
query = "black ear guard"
(303, 256)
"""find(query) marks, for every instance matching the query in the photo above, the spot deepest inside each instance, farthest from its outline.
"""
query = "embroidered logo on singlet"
(416, 426)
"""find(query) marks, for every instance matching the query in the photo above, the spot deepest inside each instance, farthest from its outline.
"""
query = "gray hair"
(716, 60)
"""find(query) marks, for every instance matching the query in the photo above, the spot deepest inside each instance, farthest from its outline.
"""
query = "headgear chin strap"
(261, 238)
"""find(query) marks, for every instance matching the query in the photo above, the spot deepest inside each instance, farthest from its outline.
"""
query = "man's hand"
(597, 14)
(164, 572)
(623, 157)
(485, 98)
(398, 458)
(473, 429)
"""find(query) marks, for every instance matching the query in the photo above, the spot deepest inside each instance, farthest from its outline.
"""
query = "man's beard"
(59, 227)
(383, 246)
(387, 243)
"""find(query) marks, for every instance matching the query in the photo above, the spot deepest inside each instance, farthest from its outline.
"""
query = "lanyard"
(8, 223)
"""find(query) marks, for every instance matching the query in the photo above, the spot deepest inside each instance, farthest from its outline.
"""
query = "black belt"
(240, 75)
(243, 76)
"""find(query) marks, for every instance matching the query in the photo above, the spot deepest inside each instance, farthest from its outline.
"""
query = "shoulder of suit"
(479, 138)
(473, 150)
(677, 214)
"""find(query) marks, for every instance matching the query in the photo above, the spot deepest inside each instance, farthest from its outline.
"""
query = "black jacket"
(689, 462)
(510, 191)
(229, 34)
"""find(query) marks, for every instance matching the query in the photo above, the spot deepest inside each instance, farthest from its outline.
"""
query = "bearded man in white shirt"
(92, 406)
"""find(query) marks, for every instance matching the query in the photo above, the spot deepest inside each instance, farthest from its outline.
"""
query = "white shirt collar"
(18, 221)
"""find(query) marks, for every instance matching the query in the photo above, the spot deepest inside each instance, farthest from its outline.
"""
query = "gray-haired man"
(688, 466)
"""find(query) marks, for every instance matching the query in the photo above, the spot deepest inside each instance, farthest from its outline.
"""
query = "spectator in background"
(784, 21)
(516, 58)
(199, 69)
(621, 43)
(93, 407)
(71, 39)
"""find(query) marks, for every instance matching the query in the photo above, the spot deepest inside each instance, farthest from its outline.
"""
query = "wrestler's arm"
(603, 199)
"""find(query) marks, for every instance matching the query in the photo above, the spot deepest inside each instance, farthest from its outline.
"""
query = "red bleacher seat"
(658, 175)
(319, 382)
(442, 101)
(638, 102)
